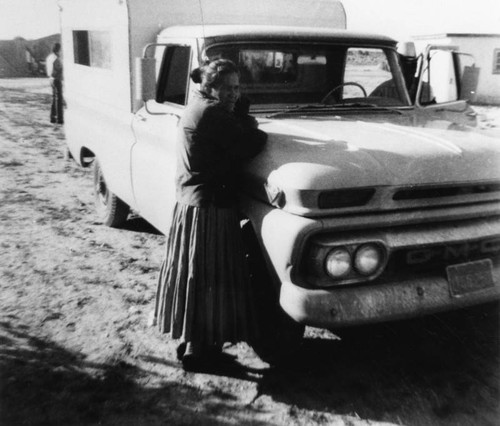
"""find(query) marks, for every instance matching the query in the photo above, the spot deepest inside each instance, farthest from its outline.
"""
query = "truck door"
(155, 126)
(448, 80)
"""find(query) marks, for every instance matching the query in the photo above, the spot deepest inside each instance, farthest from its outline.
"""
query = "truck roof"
(271, 32)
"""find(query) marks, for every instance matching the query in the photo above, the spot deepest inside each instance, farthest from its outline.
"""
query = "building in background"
(486, 50)
(25, 58)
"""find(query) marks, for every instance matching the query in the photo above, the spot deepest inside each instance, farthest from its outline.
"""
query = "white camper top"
(118, 30)
(272, 32)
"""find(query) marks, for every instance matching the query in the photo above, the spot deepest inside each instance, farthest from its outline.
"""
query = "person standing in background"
(54, 69)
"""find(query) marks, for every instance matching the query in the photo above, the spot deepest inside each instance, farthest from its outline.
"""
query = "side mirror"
(145, 79)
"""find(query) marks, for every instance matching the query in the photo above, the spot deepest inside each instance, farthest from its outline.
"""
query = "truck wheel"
(111, 210)
(279, 336)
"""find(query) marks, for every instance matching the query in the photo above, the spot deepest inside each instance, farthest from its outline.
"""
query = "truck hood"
(315, 154)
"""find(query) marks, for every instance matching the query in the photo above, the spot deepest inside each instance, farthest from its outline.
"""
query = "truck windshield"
(281, 76)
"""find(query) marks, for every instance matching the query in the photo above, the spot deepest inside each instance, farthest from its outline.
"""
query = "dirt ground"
(76, 348)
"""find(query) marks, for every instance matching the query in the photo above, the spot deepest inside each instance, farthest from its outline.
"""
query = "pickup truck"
(375, 198)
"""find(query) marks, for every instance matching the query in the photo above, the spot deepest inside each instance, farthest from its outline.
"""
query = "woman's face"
(228, 92)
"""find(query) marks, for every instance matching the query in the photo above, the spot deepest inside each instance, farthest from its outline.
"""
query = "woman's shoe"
(193, 358)
(206, 359)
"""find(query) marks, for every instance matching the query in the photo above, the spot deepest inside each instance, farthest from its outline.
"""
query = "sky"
(400, 19)
(404, 18)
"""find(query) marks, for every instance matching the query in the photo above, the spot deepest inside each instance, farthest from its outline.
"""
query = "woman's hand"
(242, 107)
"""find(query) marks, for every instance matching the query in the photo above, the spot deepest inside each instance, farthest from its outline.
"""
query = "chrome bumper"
(356, 305)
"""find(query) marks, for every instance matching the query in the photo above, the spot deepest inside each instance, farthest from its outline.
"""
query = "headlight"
(368, 259)
(338, 263)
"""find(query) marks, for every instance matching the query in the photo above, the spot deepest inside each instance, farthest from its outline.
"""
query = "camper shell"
(126, 27)
(375, 199)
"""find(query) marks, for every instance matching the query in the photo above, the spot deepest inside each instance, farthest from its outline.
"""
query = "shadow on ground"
(392, 371)
(44, 384)
(138, 224)
(434, 366)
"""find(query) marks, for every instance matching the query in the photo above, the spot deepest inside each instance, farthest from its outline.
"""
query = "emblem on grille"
(451, 252)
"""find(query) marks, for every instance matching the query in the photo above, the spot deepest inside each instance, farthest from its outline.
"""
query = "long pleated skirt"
(204, 292)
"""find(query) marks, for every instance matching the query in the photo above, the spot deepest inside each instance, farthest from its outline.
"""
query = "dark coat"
(213, 145)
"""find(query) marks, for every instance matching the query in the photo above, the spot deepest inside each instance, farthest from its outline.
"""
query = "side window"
(174, 75)
(92, 48)
(496, 61)
(439, 82)
(468, 73)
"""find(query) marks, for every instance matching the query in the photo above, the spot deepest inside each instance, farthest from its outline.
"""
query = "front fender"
(281, 236)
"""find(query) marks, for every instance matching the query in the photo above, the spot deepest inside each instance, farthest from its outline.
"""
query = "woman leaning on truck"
(203, 295)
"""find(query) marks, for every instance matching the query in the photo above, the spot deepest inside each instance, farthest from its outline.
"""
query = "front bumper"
(357, 305)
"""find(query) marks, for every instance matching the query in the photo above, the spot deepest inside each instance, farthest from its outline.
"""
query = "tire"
(279, 336)
(110, 209)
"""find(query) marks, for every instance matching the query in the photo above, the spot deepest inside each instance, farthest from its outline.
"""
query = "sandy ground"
(76, 348)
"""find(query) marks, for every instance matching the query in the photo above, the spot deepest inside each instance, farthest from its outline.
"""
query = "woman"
(203, 292)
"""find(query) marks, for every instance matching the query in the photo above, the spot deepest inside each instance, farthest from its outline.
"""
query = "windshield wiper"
(364, 105)
(333, 107)
(298, 108)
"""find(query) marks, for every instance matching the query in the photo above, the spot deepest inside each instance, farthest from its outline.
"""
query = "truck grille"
(388, 198)
(446, 191)
(436, 257)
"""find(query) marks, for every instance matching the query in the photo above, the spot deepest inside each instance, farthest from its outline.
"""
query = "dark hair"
(56, 48)
(196, 75)
(211, 74)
